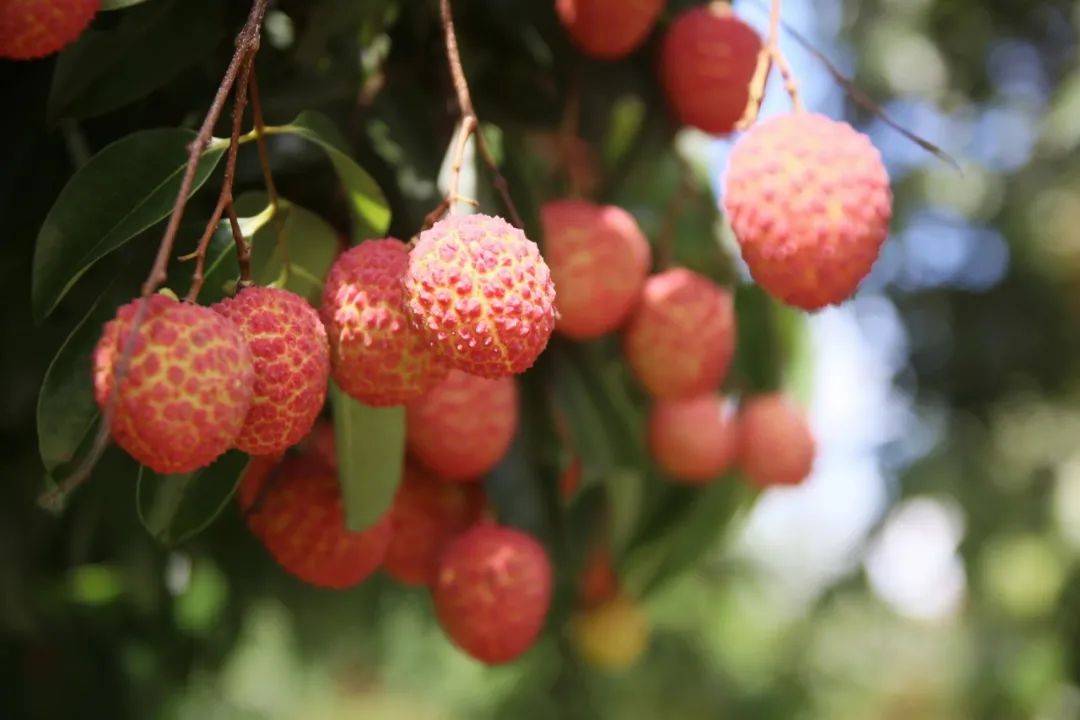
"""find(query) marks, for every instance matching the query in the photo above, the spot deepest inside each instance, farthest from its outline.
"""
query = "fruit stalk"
(770, 54)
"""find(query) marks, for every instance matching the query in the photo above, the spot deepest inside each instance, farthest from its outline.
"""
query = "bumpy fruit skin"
(680, 341)
(599, 259)
(378, 357)
(463, 426)
(614, 635)
(810, 204)
(481, 294)
(35, 28)
(694, 440)
(188, 387)
(298, 516)
(292, 364)
(492, 592)
(706, 64)
(776, 445)
(426, 516)
(608, 29)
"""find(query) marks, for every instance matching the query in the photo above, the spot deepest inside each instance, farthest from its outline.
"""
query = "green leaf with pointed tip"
(124, 189)
(369, 206)
(371, 455)
(176, 508)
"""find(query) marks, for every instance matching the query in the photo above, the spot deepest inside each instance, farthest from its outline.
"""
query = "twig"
(769, 55)
(247, 44)
(260, 139)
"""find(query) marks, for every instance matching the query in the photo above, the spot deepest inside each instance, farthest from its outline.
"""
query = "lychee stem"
(770, 53)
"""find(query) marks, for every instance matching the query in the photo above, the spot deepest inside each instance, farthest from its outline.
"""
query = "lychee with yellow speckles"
(35, 28)
(776, 444)
(378, 357)
(295, 509)
(608, 29)
(492, 592)
(681, 338)
(292, 364)
(480, 293)
(694, 440)
(810, 204)
(427, 514)
(599, 259)
(188, 386)
(463, 426)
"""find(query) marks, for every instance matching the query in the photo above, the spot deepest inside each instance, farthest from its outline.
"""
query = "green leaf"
(124, 189)
(371, 455)
(148, 47)
(369, 206)
(118, 4)
(176, 508)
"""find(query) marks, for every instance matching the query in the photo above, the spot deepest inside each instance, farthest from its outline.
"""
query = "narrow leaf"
(118, 4)
(371, 454)
(124, 189)
(176, 508)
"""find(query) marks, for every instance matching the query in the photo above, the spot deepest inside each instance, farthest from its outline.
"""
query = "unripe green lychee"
(810, 204)
(378, 357)
(188, 386)
(463, 426)
(480, 293)
(295, 510)
(292, 364)
(613, 635)
(776, 445)
(599, 259)
(427, 514)
(681, 338)
(492, 592)
(706, 64)
(608, 29)
(694, 440)
(35, 28)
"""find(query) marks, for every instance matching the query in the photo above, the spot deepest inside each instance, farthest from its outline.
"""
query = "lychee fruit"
(492, 592)
(608, 29)
(296, 511)
(570, 479)
(613, 635)
(694, 440)
(427, 514)
(810, 204)
(463, 426)
(321, 444)
(480, 293)
(292, 364)
(378, 357)
(599, 259)
(707, 62)
(776, 445)
(681, 339)
(35, 28)
(598, 582)
(188, 385)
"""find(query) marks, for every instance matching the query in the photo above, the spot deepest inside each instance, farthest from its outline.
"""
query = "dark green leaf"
(107, 69)
(124, 189)
(176, 508)
(371, 455)
(369, 206)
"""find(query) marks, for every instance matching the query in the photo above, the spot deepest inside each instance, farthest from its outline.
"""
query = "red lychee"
(320, 443)
(492, 592)
(776, 445)
(810, 204)
(608, 29)
(296, 511)
(694, 440)
(598, 581)
(188, 387)
(292, 364)
(681, 339)
(427, 514)
(463, 426)
(378, 357)
(481, 294)
(599, 259)
(570, 480)
(706, 64)
(35, 28)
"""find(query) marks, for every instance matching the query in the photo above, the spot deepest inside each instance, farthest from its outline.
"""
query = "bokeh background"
(928, 568)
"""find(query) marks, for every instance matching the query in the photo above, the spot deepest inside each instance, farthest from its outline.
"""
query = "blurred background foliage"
(927, 570)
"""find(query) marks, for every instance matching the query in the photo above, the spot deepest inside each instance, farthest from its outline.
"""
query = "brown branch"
(260, 139)
(247, 44)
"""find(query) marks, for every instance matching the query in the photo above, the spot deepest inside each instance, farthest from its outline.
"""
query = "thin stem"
(770, 54)
(260, 139)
